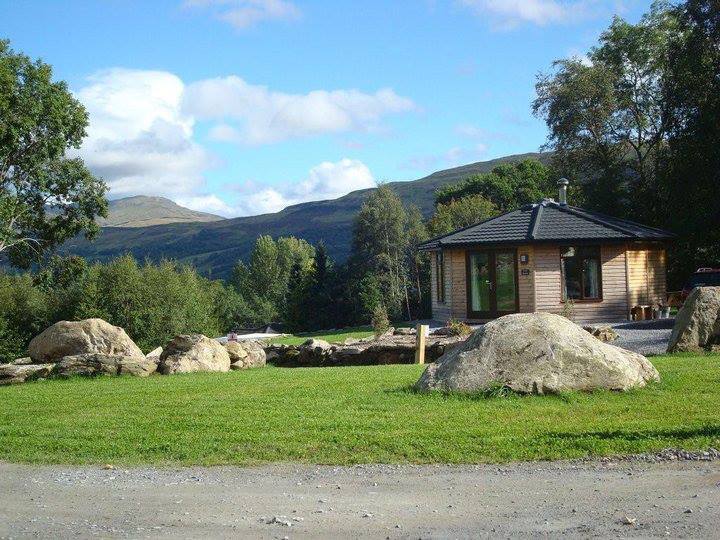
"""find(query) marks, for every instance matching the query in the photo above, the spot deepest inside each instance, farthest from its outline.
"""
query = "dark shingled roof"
(547, 221)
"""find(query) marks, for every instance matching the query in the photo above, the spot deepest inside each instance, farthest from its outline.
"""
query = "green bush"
(380, 321)
(458, 328)
(152, 302)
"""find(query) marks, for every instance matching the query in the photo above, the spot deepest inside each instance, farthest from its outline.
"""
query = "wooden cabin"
(542, 255)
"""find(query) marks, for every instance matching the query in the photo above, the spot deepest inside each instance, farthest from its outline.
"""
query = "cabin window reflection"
(581, 272)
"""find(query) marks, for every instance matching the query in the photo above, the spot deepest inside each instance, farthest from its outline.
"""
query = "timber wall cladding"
(458, 295)
(548, 283)
(646, 277)
(526, 283)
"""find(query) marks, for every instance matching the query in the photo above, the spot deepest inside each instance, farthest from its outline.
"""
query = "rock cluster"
(245, 354)
(536, 353)
(94, 347)
(390, 348)
(697, 325)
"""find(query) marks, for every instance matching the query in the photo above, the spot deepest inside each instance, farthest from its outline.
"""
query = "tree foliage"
(638, 125)
(152, 302)
(607, 119)
(692, 167)
(507, 186)
(45, 196)
(383, 235)
(459, 213)
(264, 281)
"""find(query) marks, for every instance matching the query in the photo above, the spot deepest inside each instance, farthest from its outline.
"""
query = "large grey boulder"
(697, 325)
(68, 338)
(191, 353)
(20, 373)
(536, 353)
(245, 354)
(92, 364)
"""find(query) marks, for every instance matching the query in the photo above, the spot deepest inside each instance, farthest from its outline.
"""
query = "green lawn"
(332, 336)
(347, 415)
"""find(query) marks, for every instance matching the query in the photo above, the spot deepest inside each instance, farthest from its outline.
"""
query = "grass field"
(332, 336)
(347, 415)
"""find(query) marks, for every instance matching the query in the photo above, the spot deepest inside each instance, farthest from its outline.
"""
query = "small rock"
(276, 520)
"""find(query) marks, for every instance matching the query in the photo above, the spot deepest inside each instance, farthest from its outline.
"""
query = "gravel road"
(678, 498)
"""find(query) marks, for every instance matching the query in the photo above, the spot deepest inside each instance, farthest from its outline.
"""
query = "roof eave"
(520, 242)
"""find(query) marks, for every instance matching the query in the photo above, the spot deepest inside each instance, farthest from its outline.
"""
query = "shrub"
(568, 310)
(380, 321)
(152, 302)
(458, 328)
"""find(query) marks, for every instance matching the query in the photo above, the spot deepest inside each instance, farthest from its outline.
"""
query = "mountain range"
(213, 245)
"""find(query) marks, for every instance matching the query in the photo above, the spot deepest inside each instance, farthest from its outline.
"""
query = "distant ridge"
(144, 211)
(214, 247)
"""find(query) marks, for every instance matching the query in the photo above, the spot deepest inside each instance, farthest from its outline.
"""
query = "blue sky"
(241, 107)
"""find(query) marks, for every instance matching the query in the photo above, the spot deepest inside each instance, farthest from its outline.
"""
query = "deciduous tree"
(46, 197)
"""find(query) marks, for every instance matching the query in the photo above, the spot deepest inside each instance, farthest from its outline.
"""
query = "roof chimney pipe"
(562, 191)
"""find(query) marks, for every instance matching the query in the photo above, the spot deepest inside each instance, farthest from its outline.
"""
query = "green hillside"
(215, 247)
(143, 211)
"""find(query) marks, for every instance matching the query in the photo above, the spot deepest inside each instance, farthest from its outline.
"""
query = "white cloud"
(470, 131)
(141, 136)
(253, 114)
(244, 14)
(139, 140)
(207, 203)
(511, 13)
(458, 155)
(328, 180)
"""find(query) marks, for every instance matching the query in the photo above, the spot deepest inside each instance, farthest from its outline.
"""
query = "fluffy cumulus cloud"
(139, 139)
(141, 135)
(328, 180)
(511, 13)
(252, 114)
(244, 14)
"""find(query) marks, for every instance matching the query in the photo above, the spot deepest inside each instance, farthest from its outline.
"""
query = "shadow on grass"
(496, 391)
(499, 390)
(710, 431)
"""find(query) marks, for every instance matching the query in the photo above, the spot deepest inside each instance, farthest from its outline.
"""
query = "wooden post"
(422, 331)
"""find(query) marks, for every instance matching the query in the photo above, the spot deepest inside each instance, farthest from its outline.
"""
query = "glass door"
(480, 285)
(505, 287)
(492, 283)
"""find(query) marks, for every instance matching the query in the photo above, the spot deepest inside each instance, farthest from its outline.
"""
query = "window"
(581, 273)
(440, 273)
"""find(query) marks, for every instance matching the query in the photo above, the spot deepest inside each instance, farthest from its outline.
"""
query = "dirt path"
(676, 499)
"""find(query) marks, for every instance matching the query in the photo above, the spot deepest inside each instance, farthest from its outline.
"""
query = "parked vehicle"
(703, 277)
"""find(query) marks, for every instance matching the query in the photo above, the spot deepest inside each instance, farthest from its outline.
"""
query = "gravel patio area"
(644, 337)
